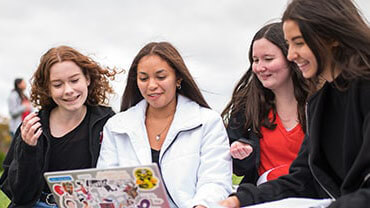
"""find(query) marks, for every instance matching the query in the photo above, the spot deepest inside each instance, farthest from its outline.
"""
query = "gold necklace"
(158, 136)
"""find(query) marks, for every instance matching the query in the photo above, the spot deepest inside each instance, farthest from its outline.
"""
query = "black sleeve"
(299, 183)
(22, 176)
(248, 166)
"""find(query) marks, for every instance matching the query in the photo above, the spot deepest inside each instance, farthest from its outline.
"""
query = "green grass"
(237, 179)
(4, 201)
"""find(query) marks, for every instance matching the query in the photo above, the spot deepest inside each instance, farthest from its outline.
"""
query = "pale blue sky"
(213, 36)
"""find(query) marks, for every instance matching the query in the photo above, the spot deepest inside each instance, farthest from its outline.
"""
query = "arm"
(361, 197)
(22, 176)
(299, 183)
(214, 173)
(244, 167)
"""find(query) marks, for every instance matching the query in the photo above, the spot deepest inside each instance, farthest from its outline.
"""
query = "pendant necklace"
(158, 136)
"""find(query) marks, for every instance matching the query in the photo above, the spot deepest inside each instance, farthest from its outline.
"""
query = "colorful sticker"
(54, 179)
(145, 178)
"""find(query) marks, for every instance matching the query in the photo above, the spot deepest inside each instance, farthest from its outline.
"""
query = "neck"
(161, 113)
(285, 94)
(68, 116)
(285, 101)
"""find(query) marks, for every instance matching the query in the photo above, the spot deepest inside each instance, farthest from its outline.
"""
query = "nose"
(68, 89)
(292, 54)
(260, 66)
(152, 84)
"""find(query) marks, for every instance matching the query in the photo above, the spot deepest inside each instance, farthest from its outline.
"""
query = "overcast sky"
(213, 36)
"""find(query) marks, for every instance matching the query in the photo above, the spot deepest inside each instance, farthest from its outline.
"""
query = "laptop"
(132, 187)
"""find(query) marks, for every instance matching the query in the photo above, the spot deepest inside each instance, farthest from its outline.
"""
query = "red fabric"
(25, 113)
(278, 148)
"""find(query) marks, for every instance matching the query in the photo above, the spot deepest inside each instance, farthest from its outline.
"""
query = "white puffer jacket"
(194, 159)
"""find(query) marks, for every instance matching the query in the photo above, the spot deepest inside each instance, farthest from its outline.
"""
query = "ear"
(178, 82)
(334, 43)
(88, 79)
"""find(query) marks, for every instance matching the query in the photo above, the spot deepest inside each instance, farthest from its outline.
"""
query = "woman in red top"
(265, 118)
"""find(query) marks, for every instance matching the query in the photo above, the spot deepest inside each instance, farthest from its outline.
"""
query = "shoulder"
(100, 110)
(13, 95)
(127, 119)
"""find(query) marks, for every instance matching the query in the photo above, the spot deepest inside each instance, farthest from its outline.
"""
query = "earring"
(179, 86)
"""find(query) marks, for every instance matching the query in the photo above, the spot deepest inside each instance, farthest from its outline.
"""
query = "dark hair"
(168, 53)
(19, 91)
(253, 100)
(323, 22)
(99, 83)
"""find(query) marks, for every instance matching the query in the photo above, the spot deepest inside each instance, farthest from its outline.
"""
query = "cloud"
(213, 36)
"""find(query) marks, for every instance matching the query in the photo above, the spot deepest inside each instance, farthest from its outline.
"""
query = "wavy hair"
(99, 77)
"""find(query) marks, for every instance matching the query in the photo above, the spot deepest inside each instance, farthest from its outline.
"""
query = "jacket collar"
(187, 117)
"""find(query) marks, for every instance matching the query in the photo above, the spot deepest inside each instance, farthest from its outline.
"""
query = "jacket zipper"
(160, 169)
(322, 186)
(309, 158)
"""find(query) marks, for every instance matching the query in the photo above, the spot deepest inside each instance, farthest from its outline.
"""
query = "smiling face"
(270, 65)
(157, 82)
(299, 52)
(68, 86)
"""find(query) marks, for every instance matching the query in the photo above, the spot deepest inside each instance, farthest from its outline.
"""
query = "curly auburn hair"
(99, 77)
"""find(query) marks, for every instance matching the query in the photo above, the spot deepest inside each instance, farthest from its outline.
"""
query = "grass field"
(4, 201)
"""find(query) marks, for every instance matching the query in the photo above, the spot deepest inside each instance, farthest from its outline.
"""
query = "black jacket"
(247, 167)
(24, 165)
(329, 166)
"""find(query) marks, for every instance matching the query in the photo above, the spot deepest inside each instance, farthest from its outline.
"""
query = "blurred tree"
(5, 139)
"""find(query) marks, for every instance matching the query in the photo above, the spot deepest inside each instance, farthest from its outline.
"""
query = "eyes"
(266, 58)
(144, 77)
(58, 84)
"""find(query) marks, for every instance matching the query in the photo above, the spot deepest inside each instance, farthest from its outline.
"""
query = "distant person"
(71, 91)
(165, 119)
(265, 118)
(19, 105)
(330, 42)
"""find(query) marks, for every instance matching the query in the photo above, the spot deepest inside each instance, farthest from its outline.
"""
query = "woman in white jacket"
(166, 120)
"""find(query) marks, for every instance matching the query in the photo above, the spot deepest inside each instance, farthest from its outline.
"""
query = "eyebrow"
(157, 72)
(71, 77)
(297, 37)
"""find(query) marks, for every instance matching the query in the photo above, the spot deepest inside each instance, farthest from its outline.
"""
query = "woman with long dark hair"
(330, 42)
(165, 119)
(265, 118)
(19, 105)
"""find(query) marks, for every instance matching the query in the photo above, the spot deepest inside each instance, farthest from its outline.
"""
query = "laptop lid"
(136, 187)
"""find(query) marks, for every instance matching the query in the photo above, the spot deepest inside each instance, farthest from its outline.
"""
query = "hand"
(231, 202)
(240, 150)
(31, 129)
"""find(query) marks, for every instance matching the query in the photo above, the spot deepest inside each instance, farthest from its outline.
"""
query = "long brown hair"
(168, 53)
(99, 77)
(254, 101)
(324, 21)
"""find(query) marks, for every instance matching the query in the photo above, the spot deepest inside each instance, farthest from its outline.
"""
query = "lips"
(154, 95)
(72, 99)
(264, 76)
(302, 65)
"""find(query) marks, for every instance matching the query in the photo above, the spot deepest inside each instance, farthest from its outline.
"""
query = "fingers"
(231, 202)
(240, 150)
(31, 129)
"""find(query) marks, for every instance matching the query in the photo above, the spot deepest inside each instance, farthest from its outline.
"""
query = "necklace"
(158, 136)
